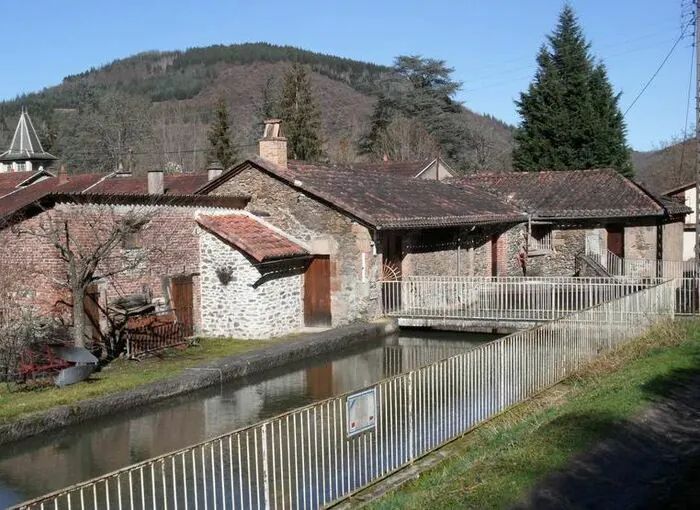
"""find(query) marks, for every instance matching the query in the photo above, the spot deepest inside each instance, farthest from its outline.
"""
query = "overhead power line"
(658, 69)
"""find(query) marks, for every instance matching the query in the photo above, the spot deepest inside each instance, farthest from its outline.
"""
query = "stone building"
(584, 212)
(25, 153)
(436, 169)
(687, 194)
(361, 226)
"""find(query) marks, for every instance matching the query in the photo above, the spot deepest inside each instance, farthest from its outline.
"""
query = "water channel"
(52, 461)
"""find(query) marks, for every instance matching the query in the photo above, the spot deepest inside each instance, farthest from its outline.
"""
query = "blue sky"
(491, 44)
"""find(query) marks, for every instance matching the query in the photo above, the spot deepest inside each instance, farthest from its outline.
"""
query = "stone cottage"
(584, 212)
(687, 194)
(251, 277)
(361, 226)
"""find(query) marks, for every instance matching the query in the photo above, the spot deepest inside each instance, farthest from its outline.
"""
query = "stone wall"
(237, 308)
(673, 241)
(354, 289)
(455, 252)
(641, 242)
(561, 261)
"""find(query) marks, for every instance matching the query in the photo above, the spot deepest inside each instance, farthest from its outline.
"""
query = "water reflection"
(54, 461)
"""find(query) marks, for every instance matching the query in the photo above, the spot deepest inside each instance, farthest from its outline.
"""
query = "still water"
(52, 461)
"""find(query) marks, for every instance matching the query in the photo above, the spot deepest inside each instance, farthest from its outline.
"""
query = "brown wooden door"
(181, 300)
(92, 313)
(317, 292)
(616, 240)
(494, 255)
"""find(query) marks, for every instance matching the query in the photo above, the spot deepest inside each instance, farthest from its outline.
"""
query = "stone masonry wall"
(561, 261)
(453, 252)
(239, 310)
(354, 291)
(673, 241)
(640, 242)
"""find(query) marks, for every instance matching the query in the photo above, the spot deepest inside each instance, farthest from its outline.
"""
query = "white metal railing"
(540, 245)
(641, 268)
(309, 457)
(499, 298)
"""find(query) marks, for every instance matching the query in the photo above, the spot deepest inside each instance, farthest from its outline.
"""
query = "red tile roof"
(259, 242)
(600, 193)
(106, 184)
(386, 201)
(178, 184)
(403, 168)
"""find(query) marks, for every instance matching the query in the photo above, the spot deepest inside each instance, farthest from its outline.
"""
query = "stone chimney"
(122, 172)
(62, 175)
(214, 170)
(155, 182)
(273, 144)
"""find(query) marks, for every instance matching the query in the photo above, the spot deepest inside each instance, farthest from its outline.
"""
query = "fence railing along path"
(324, 452)
(499, 298)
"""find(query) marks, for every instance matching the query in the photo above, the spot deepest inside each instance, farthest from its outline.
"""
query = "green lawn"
(17, 401)
(497, 464)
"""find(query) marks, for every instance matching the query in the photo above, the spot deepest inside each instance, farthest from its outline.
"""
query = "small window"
(131, 237)
(540, 239)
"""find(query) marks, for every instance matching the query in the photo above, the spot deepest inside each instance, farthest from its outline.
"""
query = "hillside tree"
(221, 146)
(421, 103)
(570, 114)
(301, 116)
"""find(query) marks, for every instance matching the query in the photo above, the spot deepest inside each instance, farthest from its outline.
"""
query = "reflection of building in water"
(250, 404)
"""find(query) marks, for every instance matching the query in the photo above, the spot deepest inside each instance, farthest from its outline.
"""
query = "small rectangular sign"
(361, 411)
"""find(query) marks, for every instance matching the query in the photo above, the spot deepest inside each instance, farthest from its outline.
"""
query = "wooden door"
(317, 292)
(494, 255)
(181, 300)
(92, 313)
(616, 240)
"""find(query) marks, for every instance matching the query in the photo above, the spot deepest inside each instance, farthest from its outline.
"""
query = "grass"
(17, 401)
(497, 464)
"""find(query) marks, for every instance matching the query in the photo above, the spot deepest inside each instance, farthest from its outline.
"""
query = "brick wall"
(169, 247)
(324, 231)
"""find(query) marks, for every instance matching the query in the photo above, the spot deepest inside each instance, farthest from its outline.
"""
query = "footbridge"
(503, 303)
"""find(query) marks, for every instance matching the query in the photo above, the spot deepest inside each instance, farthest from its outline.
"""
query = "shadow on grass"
(649, 462)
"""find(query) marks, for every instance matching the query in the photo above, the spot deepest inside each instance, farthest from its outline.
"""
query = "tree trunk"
(78, 316)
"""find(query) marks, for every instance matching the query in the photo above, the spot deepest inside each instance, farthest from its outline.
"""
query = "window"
(540, 239)
(131, 237)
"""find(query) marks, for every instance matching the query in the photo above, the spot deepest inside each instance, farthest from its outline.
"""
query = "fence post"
(266, 476)
(409, 413)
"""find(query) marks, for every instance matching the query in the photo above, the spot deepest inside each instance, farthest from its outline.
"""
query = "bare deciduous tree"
(90, 242)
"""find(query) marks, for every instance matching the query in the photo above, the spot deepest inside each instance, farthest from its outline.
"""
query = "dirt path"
(653, 462)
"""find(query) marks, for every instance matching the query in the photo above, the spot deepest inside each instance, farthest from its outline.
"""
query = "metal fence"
(643, 268)
(499, 298)
(319, 454)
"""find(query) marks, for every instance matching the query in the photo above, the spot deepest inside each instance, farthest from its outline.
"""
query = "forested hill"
(165, 100)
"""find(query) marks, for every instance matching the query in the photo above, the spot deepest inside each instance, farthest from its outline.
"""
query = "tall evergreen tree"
(424, 97)
(221, 147)
(301, 116)
(570, 115)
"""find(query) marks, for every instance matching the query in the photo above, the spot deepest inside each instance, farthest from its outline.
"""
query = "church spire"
(25, 152)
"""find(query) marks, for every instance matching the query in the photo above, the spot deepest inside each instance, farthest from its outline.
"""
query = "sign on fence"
(362, 411)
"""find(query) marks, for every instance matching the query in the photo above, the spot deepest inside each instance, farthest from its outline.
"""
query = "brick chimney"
(273, 144)
(214, 170)
(155, 182)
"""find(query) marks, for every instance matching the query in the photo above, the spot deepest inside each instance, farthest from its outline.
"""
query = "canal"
(52, 461)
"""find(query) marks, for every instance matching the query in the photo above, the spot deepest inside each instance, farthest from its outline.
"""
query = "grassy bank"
(17, 401)
(496, 465)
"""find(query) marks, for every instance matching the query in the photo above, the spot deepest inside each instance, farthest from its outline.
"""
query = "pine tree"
(423, 99)
(221, 148)
(570, 115)
(301, 117)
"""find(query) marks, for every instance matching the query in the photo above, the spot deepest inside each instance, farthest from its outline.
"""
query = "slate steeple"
(25, 152)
